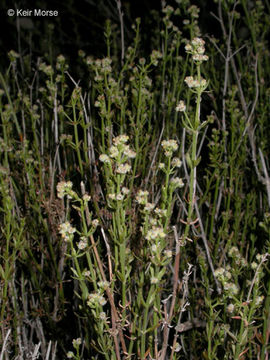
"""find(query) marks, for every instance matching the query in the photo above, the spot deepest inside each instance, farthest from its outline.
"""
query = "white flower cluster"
(155, 56)
(230, 308)
(168, 253)
(47, 69)
(194, 11)
(60, 63)
(259, 300)
(96, 299)
(120, 152)
(156, 232)
(238, 258)
(86, 273)
(258, 259)
(177, 182)
(196, 49)
(95, 223)
(104, 158)
(149, 207)
(64, 188)
(231, 288)
(121, 195)
(181, 106)
(176, 162)
(224, 276)
(123, 168)
(169, 146)
(193, 82)
(86, 198)
(66, 231)
(141, 197)
(121, 139)
(100, 102)
(103, 284)
(82, 244)
(76, 342)
(102, 316)
(168, 10)
(102, 65)
(161, 166)
(154, 280)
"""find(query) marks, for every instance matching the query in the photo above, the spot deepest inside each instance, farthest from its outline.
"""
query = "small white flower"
(125, 191)
(200, 50)
(103, 284)
(160, 212)
(130, 153)
(219, 272)
(259, 257)
(123, 168)
(76, 342)
(161, 166)
(230, 308)
(176, 162)
(195, 83)
(231, 288)
(95, 223)
(121, 139)
(82, 243)
(254, 265)
(104, 158)
(155, 233)
(96, 299)
(112, 196)
(168, 253)
(193, 10)
(199, 57)
(197, 42)
(102, 301)
(119, 197)
(149, 206)
(177, 182)
(169, 146)
(66, 230)
(259, 300)
(152, 221)
(102, 316)
(189, 80)
(62, 188)
(154, 280)
(188, 48)
(86, 273)
(181, 106)
(141, 197)
(86, 197)
(114, 152)
(154, 248)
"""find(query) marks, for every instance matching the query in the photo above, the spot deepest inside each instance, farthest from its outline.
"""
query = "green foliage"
(135, 203)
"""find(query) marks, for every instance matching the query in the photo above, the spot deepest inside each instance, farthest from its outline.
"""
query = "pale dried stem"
(203, 236)
(121, 19)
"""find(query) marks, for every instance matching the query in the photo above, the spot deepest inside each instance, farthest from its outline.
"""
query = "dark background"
(79, 25)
